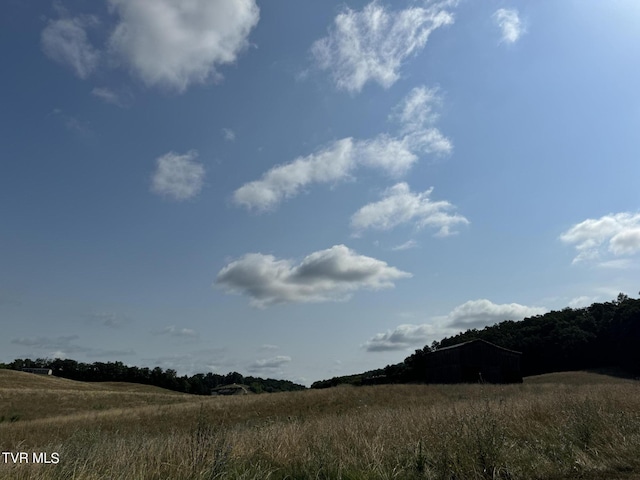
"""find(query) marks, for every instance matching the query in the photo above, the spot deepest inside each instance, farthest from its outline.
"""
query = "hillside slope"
(26, 396)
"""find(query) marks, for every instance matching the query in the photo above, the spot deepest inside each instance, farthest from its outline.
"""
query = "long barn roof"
(458, 345)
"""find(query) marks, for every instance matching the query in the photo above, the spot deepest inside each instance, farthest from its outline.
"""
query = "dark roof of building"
(474, 341)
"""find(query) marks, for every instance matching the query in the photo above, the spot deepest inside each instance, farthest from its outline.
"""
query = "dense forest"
(603, 335)
(199, 384)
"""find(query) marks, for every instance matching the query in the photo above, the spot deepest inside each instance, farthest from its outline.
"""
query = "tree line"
(602, 335)
(198, 384)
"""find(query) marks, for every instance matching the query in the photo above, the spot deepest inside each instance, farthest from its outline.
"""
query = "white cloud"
(372, 44)
(331, 164)
(178, 176)
(399, 206)
(175, 44)
(620, 231)
(65, 41)
(405, 246)
(617, 264)
(337, 161)
(269, 364)
(228, 134)
(326, 275)
(471, 314)
(417, 115)
(174, 331)
(480, 313)
(582, 301)
(510, 25)
(626, 242)
(402, 337)
(417, 109)
(72, 123)
(109, 96)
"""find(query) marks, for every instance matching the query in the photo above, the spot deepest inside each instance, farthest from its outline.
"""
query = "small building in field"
(232, 389)
(38, 371)
(475, 361)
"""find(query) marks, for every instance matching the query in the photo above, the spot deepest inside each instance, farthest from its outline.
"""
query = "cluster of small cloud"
(179, 177)
(471, 314)
(372, 44)
(167, 44)
(327, 275)
(511, 27)
(338, 160)
(620, 233)
(400, 206)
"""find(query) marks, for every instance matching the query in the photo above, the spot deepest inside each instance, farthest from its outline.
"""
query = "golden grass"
(25, 396)
(573, 425)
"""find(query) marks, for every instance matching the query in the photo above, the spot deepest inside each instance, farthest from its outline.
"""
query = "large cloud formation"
(327, 275)
(471, 314)
(371, 44)
(337, 161)
(620, 232)
(483, 312)
(400, 205)
(402, 337)
(174, 44)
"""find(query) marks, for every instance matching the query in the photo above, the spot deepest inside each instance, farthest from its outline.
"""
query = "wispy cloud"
(228, 134)
(65, 41)
(109, 319)
(619, 232)
(327, 275)
(108, 95)
(177, 176)
(72, 123)
(174, 331)
(372, 44)
(65, 345)
(401, 206)
(511, 27)
(176, 44)
(338, 161)
(409, 244)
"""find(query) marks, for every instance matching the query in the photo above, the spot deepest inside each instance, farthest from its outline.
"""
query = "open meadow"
(564, 425)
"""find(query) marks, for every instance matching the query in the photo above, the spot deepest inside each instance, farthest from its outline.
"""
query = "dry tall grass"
(576, 426)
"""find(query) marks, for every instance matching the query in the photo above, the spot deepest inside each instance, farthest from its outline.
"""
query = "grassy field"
(565, 425)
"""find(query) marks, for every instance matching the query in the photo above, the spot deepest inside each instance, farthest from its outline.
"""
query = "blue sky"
(308, 189)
